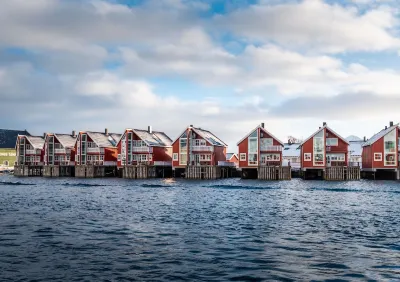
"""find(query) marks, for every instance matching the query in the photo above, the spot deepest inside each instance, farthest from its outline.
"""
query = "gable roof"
(356, 148)
(291, 150)
(68, 141)
(36, 141)
(206, 135)
(230, 156)
(263, 129)
(379, 135)
(102, 140)
(322, 128)
(8, 137)
(353, 138)
(155, 138)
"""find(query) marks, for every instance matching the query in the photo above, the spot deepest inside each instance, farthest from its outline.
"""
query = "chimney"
(262, 125)
(319, 127)
(391, 123)
(73, 133)
(191, 125)
(324, 123)
(149, 129)
(365, 139)
(44, 135)
(106, 131)
(385, 127)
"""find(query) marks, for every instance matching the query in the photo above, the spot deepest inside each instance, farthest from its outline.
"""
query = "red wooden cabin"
(324, 148)
(30, 150)
(197, 146)
(232, 158)
(138, 146)
(260, 148)
(59, 149)
(96, 148)
(381, 151)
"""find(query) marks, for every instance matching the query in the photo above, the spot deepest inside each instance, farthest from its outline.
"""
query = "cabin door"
(197, 159)
(328, 160)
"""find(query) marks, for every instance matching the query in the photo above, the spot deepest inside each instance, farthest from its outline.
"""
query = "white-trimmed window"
(208, 157)
(119, 157)
(135, 157)
(377, 157)
(151, 157)
(183, 159)
(88, 157)
(332, 142)
(242, 156)
(175, 156)
(307, 157)
(101, 157)
(143, 158)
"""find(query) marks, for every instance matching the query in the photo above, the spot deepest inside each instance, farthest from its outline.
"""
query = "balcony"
(143, 149)
(160, 163)
(271, 149)
(30, 152)
(95, 150)
(203, 148)
(230, 164)
(60, 151)
(271, 163)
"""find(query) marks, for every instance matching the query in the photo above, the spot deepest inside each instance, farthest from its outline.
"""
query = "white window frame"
(378, 155)
(330, 143)
(307, 157)
(208, 157)
(150, 157)
(101, 158)
(175, 156)
(119, 157)
(242, 157)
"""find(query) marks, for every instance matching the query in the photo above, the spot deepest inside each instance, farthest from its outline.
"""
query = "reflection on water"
(167, 230)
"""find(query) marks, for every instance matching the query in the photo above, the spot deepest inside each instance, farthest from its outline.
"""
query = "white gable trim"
(199, 133)
(263, 129)
(319, 130)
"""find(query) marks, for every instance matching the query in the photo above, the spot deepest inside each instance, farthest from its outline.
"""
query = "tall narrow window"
(319, 149)
(390, 148)
(183, 149)
(253, 148)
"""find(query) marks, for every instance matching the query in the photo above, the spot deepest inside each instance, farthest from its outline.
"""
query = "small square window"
(243, 156)
(377, 157)
(307, 157)
(175, 156)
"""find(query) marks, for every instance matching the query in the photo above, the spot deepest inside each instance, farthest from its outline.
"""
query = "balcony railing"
(95, 150)
(160, 163)
(60, 151)
(143, 149)
(221, 163)
(271, 163)
(271, 149)
(31, 152)
(203, 148)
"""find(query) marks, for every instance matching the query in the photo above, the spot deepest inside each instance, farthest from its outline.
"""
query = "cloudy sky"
(224, 65)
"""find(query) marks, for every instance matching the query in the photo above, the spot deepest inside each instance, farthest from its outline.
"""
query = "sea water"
(71, 229)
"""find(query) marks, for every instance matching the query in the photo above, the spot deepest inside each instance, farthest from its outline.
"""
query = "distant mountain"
(353, 138)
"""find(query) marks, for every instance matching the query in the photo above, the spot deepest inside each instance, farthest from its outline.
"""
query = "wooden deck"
(341, 173)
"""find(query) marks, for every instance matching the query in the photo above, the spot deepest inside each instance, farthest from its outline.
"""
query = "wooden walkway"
(274, 173)
(341, 173)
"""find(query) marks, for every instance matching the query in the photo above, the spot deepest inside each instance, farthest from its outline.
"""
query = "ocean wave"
(15, 183)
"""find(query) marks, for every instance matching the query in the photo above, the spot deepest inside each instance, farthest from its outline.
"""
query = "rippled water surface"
(228, 230)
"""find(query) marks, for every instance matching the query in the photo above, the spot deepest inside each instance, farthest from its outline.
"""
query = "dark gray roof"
(67, 140)
(104, 141)
(36, 141)
(379, 135)
(8, 137)
(156, 138)
(210, 137)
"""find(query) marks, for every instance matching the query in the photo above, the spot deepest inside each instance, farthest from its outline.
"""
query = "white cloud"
(315, 25)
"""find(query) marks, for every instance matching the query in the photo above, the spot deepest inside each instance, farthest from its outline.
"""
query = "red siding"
(219, 155)
(368, 160)
(243, 148)
(342, 146)
(307, 148)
